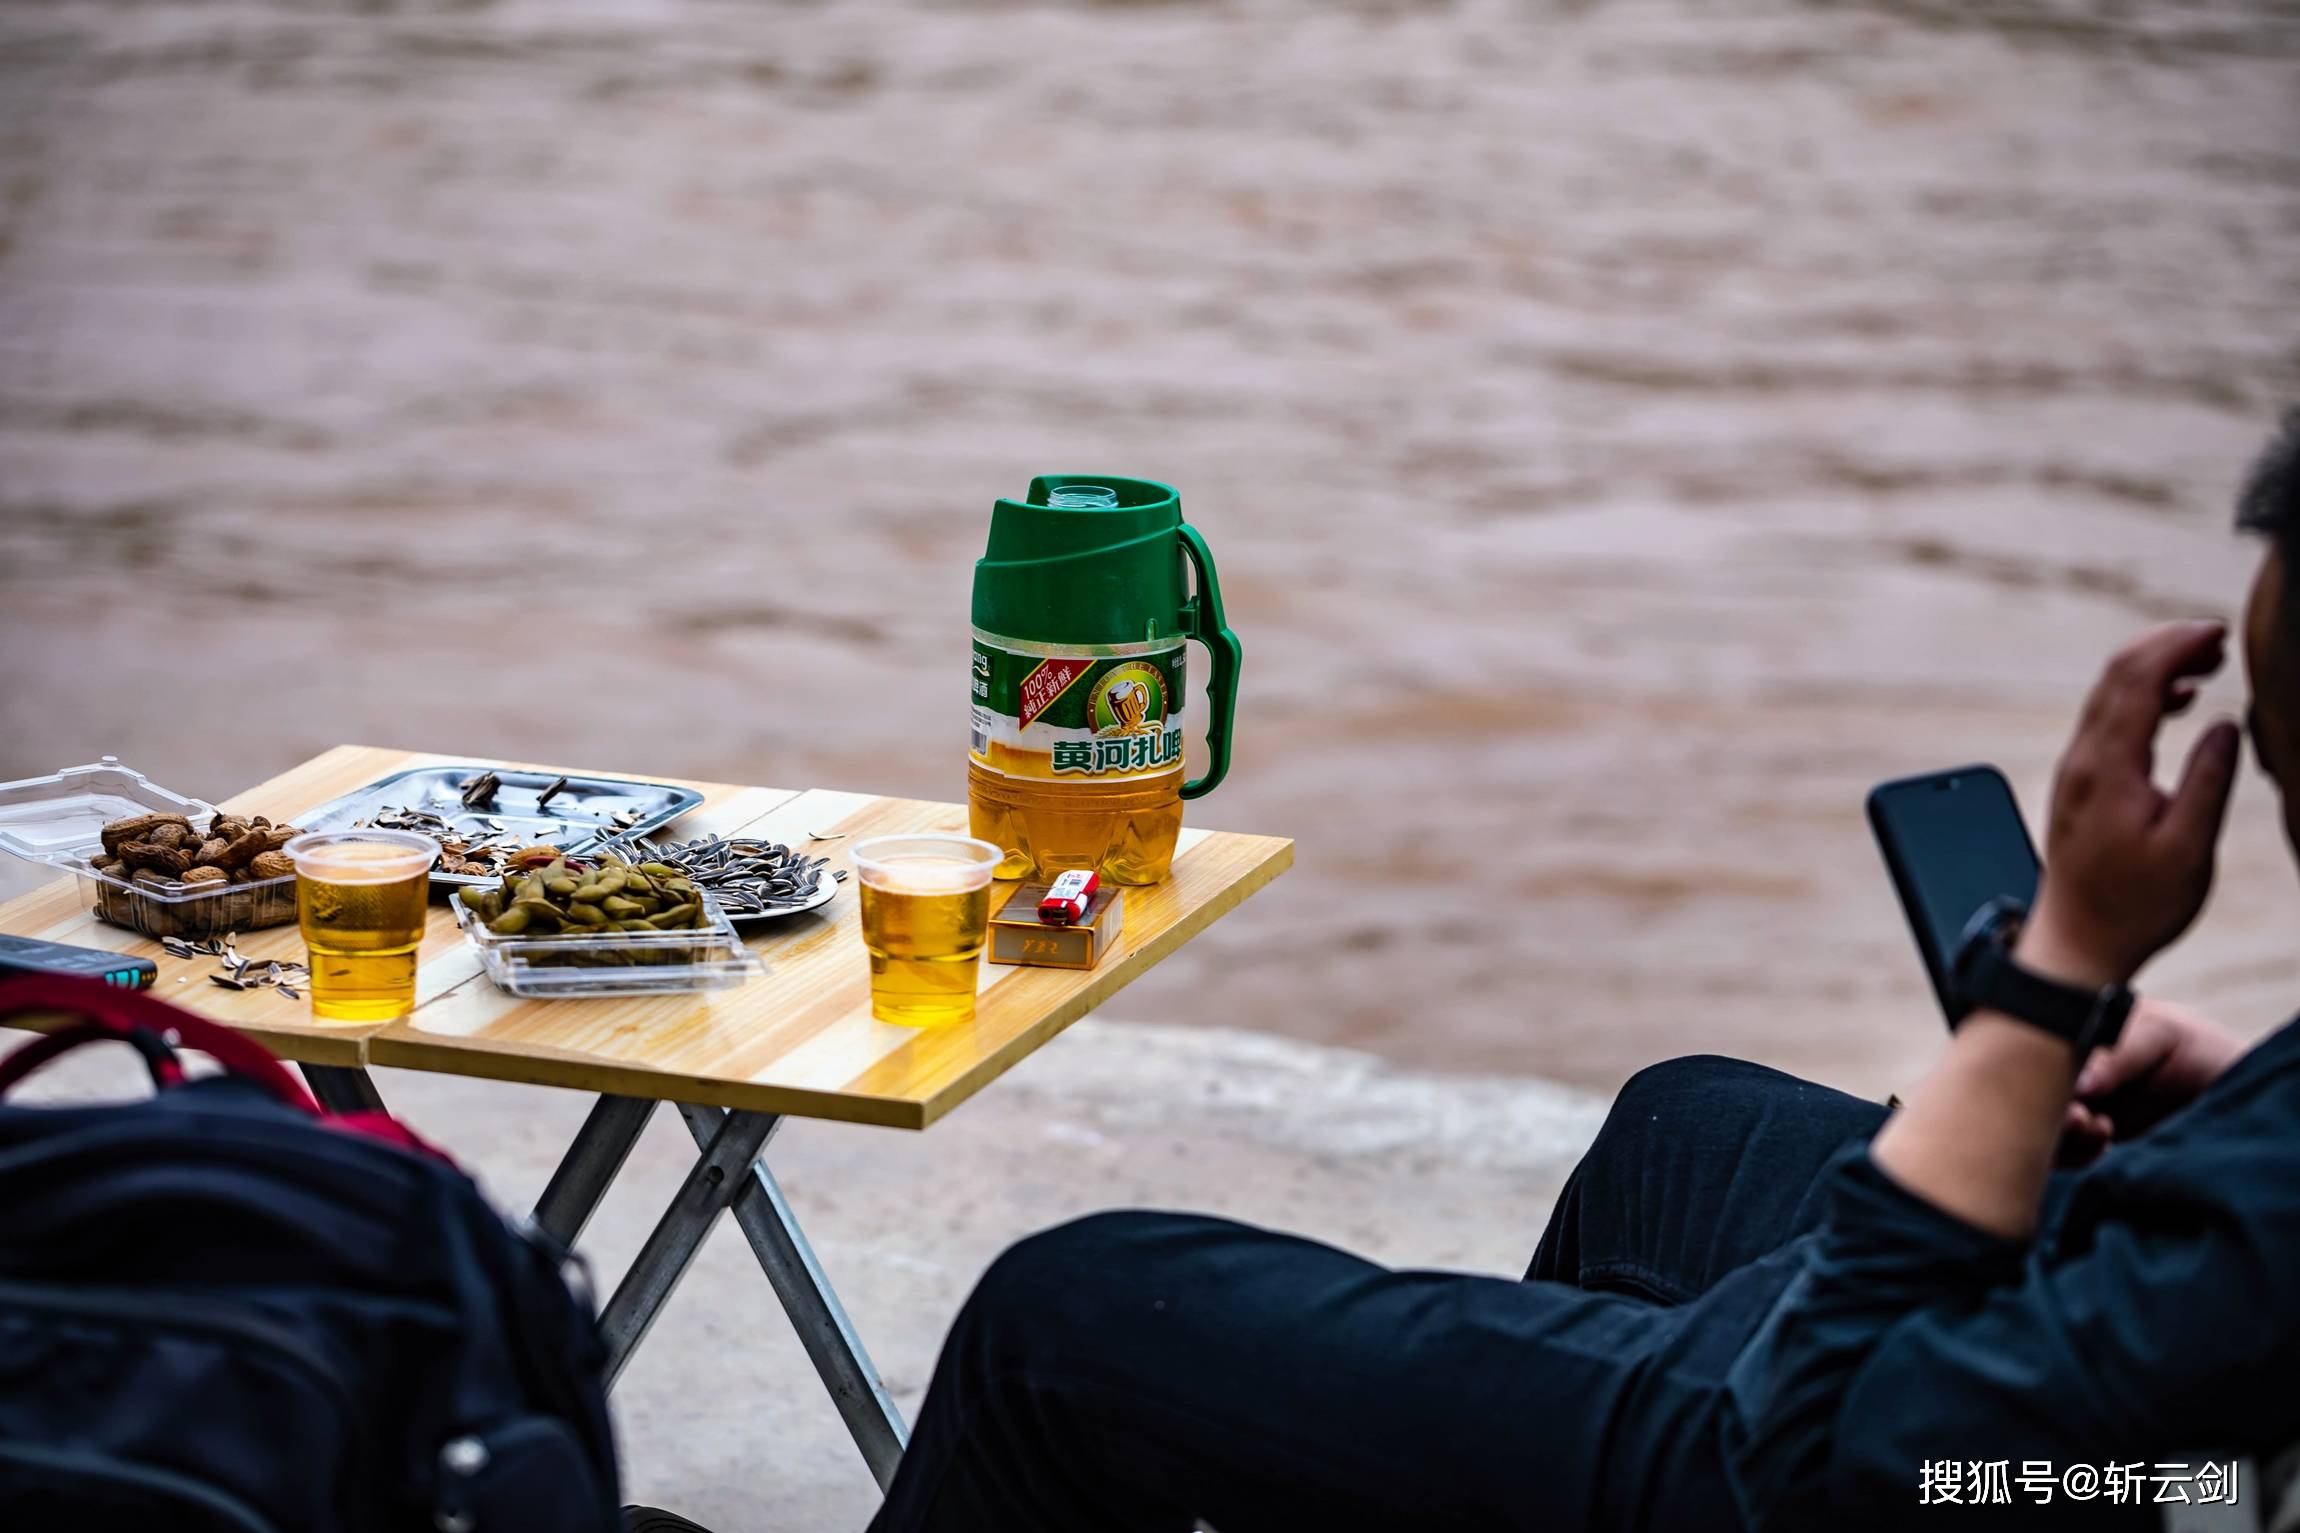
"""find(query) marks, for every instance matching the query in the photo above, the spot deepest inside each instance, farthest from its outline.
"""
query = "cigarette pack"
(1017, 935)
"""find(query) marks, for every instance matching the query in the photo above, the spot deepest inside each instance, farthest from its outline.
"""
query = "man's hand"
(2126, 869)
(2127, 866)
(2166, 1057)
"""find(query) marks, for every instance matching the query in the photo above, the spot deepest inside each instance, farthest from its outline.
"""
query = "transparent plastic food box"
(58, 821)
(565, 964)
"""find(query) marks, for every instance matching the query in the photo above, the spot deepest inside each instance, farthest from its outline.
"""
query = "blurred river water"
(1627, 431)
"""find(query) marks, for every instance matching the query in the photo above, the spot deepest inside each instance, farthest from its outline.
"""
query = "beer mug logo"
(1131, 700)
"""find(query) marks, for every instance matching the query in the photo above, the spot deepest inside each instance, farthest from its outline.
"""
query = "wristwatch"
(1987, 976)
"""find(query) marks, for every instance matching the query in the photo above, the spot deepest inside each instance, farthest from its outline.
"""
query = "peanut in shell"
(136, 827)
(242, 850)
(161, 875)
(151, 855)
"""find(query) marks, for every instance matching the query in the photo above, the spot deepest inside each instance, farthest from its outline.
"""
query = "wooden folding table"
(796, 1042)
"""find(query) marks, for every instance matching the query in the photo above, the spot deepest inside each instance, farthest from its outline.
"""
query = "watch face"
(2106, 1024)
(1993, 929)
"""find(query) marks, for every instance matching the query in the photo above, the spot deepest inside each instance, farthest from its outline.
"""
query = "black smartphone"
(1952, 841)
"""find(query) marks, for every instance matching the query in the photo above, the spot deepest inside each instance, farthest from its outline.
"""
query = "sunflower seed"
(746, 876)
(480, 791)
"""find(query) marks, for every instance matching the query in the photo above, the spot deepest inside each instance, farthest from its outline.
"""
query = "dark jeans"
(1144, 1370)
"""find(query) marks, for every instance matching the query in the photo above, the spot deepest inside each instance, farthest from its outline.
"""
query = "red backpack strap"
(110, 1012)
(167, 1070)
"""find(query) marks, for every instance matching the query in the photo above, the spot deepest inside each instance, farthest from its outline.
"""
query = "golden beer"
(1098, 787)
(1128, 830)
(361, 899)
(925, 916)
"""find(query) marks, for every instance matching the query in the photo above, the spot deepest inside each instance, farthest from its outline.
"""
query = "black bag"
(222, 1310)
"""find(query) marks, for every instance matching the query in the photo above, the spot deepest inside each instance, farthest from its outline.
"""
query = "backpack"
(221, 1309)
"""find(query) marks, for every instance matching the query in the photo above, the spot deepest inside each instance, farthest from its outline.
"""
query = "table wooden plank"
(802, 1040)
(55, 912)
(799, 1040)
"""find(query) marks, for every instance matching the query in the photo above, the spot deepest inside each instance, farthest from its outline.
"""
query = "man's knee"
(1663, 1102)
(1661, 1091)
(1056, 1277)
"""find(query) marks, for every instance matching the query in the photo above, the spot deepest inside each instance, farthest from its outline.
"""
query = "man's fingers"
(2200, 803)
(2147, 1042)
(2135, 691)
(2109, 1069)
(2084, 1134)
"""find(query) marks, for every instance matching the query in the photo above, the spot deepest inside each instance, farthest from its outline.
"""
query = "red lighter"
(1067, 898)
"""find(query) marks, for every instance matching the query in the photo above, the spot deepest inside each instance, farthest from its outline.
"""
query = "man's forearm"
(1978, 1135)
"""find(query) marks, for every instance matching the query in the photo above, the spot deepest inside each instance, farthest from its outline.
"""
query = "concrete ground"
(720, 1415)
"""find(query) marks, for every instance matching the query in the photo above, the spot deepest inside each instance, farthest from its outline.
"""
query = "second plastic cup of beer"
(361, 897)
(925, 916)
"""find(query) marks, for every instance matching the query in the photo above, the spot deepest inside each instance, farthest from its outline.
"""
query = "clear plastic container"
(58, 821)
(564, 965)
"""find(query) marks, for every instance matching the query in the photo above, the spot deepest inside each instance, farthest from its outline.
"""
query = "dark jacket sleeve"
(2164, 1320)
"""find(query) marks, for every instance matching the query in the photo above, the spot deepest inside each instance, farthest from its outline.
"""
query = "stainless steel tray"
(585, 812)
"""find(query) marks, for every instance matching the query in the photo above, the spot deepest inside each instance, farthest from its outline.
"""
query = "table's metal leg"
(590, 1164)
(812, 1305)
(343, 1088)
(710, 1184)
(729, 1173)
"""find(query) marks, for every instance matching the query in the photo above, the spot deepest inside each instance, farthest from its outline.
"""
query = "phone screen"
(1953, 841)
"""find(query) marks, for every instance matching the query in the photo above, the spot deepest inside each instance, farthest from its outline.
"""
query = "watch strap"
(1989, 977)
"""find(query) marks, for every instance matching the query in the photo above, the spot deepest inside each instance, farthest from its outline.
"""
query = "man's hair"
(2270, 502)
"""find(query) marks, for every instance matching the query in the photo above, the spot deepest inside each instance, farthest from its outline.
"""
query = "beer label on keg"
(1068, 712)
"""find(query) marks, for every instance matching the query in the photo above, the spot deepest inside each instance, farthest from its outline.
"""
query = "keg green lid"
(1081, 573)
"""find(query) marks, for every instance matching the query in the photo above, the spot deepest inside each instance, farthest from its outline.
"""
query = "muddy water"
(1627, 430)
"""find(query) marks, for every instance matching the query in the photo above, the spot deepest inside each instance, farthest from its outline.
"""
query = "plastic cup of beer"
(925, 916)
(361, 897)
